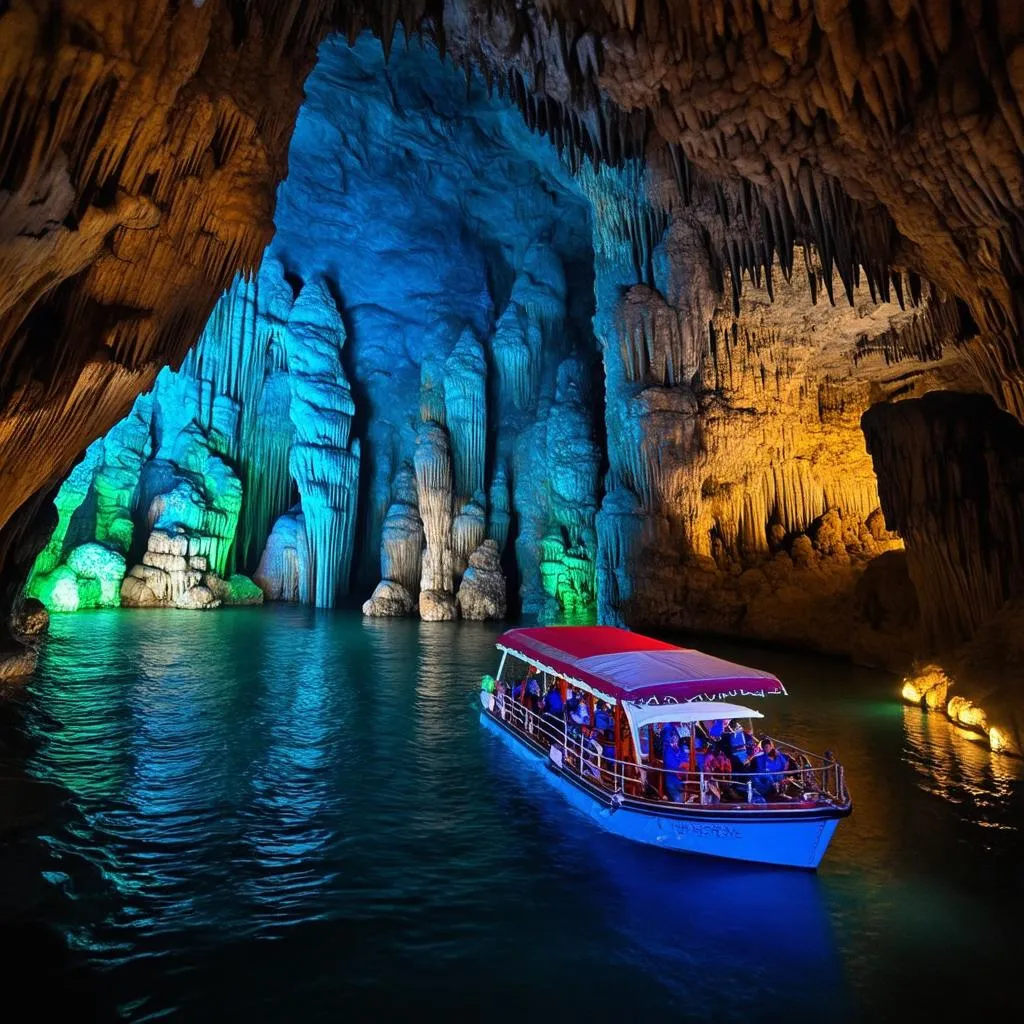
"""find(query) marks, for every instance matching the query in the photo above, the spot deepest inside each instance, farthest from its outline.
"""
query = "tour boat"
(629, 694)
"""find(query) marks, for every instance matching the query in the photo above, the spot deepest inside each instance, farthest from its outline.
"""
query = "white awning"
(691, 711)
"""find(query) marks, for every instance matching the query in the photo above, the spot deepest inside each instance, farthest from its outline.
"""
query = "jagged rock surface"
(481, 594)
(389, 600)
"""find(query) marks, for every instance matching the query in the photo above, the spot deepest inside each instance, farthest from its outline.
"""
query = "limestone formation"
(174, 574)
(437, 606)
(324, 460)
(801, 214)
(389, 600)
(482, 591)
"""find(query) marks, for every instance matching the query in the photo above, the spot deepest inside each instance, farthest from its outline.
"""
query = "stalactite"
(498, 518)
(267, 481)
(432, 394)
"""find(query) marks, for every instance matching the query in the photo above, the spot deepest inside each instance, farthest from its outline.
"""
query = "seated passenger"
(718, 766)
(769, 767)
(715, 729)
(737, 743)
(698, 747)
(675, 761)
(743, 747)
(717, 763)
(603, 716)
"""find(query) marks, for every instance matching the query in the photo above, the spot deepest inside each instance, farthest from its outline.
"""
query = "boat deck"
(806, 789)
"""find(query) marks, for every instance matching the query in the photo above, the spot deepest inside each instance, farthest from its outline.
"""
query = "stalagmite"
(482, 591)
(324, 460)
(469, 528)
(283, 564)
(401, 551)
(434, 484)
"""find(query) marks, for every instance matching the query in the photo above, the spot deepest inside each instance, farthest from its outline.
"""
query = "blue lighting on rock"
(432, 275)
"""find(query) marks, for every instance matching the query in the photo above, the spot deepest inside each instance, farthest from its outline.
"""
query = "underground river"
(283, 814)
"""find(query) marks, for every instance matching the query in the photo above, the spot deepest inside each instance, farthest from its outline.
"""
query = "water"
(283, 815)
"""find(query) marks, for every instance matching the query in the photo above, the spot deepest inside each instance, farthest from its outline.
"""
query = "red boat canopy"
(625, 666)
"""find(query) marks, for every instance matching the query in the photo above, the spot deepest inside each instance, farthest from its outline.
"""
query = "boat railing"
(576, 753)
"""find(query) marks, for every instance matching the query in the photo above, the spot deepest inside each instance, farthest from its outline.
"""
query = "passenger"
(657, 734)
(553, 701)
(743, 747)
(500, 691)
(675, 761)
(603, 716)
(717, 763)
(579, 712)
(715, 728)
(719, 767)
(737, 745)
(698, 748)
(607, 744)
(645, 742)
(528, 691)
(590, 746)
(769, 767)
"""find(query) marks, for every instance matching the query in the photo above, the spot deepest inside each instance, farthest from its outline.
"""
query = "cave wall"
(740, 496)
(848, 144)
(405, 287)
(951, 475)
(140, 148)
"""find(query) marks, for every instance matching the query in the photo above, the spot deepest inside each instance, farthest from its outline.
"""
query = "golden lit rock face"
(749, 459)
(140, 146)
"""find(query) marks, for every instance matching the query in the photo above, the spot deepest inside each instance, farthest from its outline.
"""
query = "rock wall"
(951, 474)
(740, 498)
(732, 154)
(464, 262)
(140, 149)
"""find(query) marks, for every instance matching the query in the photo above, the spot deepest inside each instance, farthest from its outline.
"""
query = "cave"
(698, 319)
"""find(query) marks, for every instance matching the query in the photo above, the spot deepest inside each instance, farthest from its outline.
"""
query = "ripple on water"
(260, 813)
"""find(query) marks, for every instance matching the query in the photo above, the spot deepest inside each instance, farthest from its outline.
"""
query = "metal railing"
(813, 779)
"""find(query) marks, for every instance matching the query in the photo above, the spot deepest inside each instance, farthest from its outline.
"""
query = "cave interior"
(673, 315)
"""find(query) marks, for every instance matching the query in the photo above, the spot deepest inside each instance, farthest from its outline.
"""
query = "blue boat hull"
(796, 838)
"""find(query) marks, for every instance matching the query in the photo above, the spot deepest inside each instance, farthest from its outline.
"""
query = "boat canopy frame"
(622, 667)
(652, 681)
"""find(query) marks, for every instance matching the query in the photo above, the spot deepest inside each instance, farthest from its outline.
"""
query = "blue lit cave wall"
(405, 406)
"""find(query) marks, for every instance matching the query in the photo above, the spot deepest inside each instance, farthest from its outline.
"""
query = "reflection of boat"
(605, 708)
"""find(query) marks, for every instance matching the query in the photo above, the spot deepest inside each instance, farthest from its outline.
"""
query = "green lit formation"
(84, 562)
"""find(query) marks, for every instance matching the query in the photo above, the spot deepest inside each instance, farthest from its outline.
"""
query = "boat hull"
(784, 838)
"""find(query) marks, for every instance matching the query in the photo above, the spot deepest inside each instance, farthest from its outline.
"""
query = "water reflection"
(958, 766)
(322, 781)
(702, 927)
